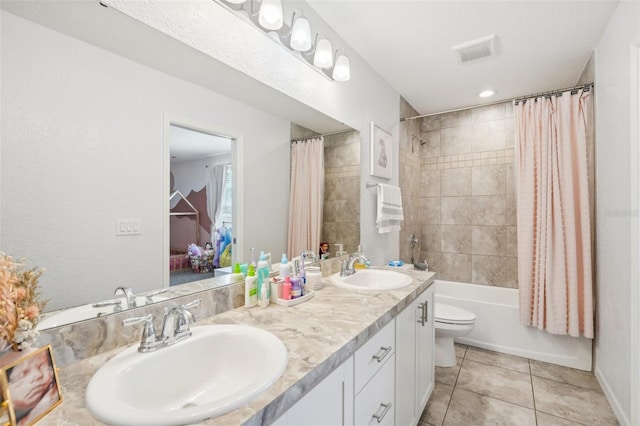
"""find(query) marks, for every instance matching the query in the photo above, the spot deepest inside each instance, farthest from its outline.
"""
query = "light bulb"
(342, 70)
(301, 35)
(235, 1)
(323, 58)
(270, 15)
(487, 93)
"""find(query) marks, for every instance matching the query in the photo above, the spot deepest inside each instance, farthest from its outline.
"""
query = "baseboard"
(613, 402)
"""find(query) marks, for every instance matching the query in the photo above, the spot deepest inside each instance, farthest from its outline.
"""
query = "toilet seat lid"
(453, 314)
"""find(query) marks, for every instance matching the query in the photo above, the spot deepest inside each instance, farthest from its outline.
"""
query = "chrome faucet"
(347, 267)
(176, 327)
(309, 254)
(177, 322)
(128, 295)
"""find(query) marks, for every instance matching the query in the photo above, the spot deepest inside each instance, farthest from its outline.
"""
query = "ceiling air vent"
(476, 49)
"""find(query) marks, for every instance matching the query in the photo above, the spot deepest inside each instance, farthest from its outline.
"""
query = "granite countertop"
(319, 335)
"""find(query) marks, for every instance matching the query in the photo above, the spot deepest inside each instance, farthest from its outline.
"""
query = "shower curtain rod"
(317, 136)
(517, 99)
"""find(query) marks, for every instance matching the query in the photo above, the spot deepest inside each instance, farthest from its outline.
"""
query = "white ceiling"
(188, 144)
(542, 45)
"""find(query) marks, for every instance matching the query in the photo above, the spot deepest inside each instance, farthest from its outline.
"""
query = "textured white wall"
(82, 138)
(613, 215)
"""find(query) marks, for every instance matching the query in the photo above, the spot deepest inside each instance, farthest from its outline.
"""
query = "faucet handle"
(116, 302)
(149, 296)
(148, 341)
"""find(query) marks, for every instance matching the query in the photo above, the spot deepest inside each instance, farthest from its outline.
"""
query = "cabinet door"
(406, 323)
(329, 403)
(425, 352)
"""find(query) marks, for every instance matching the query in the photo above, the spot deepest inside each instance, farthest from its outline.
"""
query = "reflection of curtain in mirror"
(307, 195)
(216, 182)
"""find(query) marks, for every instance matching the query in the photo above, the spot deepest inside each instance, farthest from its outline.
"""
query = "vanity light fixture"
(342, 69)
(487, 93)
(270, 15)
(300, 32)
(323, 55)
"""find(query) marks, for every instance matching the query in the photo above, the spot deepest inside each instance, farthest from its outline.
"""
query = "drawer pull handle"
(382, 353)
(422, 319)
(385, 409)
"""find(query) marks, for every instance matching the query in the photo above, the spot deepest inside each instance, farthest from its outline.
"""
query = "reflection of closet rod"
(194, 212)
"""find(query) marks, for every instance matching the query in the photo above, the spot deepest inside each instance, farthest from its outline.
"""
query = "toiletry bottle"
(340, 250)
(296, 290)
(286, 288)
(250, 288)
(263, 300)
(237, 274)
(263, 275)
(303, 273)
(359, 264)
(285, 268)
(253, 257)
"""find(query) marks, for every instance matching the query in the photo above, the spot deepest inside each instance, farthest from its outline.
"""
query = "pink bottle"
(286, 289)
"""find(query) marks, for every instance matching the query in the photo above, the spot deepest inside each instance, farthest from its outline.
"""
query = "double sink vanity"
(359, 352)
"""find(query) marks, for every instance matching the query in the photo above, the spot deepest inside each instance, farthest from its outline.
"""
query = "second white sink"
(372, 279)
(216, 370)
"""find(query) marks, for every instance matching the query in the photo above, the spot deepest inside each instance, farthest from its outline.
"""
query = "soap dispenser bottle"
(285, 268)
(237, 274)
(359, 264)
(250, 288)
(263, 276)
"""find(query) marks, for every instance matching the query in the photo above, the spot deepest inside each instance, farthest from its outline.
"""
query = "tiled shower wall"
(341, 217)
(410, 177)
(467, 196)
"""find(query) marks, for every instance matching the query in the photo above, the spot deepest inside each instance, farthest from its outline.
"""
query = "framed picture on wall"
(381, 153)
(30, 387)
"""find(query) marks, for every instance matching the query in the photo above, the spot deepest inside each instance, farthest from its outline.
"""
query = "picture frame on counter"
(29, 387)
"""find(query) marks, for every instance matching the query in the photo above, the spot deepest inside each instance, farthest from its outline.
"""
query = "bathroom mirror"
(83, 146)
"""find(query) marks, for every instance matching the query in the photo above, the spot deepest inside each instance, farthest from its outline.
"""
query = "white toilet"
(450, 322)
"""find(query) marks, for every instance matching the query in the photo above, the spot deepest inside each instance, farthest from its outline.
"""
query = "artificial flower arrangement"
(20, 304)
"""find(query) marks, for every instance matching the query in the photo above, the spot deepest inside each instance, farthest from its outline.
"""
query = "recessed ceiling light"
(487, 93)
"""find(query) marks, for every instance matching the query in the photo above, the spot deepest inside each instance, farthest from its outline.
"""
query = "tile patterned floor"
(490, 388)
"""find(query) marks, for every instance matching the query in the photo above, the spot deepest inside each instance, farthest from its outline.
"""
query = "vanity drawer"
(375, 404)
(373, 355)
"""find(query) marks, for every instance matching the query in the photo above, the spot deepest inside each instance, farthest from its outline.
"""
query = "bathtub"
(498, 326)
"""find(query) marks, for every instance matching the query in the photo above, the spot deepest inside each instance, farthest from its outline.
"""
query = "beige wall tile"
(455, 239)
(487, 136)
(430, 123)
(455, 210)
(488, 180)
(453, 119)
(489, 240)
(430, 238)
(430, 183)
(455, 140)
(455, 267)
(488, 210)
(455, 182)
(488, 113)
(431, 148)
(430, 209)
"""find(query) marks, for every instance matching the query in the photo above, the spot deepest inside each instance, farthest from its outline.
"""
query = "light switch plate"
(125, 227)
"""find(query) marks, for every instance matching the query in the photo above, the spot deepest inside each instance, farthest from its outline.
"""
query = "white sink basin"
(83, 312)
(372, 279)
(216, 370)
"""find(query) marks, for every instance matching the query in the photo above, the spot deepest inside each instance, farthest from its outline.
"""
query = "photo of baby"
(32, 387)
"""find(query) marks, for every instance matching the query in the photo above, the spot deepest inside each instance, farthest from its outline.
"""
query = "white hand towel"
(389, 212)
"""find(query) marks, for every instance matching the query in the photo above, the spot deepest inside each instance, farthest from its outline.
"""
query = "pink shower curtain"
(554, 230)
(306, 199)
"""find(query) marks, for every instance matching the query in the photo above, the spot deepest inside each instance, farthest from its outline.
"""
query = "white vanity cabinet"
(374, 402)
(329, 403)
(415, 368)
